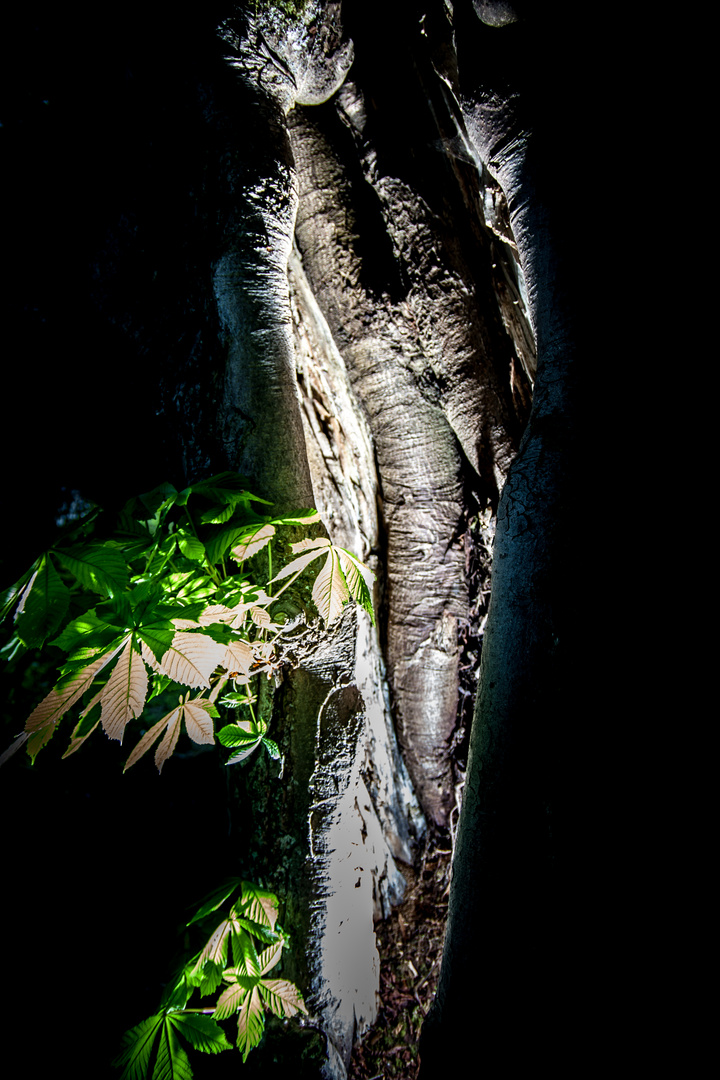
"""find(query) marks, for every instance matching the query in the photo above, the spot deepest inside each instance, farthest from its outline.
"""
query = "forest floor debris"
(410, 945)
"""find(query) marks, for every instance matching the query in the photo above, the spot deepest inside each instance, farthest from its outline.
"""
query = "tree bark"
(308, 274)
(512, 950)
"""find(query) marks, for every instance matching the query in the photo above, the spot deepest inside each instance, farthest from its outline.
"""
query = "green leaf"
(245, 954)
(88, 631)
(215, 899)
(161, 497)
(10, 596)
(359, 580)
(191, 547)
(235, 698)
(158, 637)
(99, 567)
(218, 516)
(202, 1032)
(137, 1046)
(211, 977)
(226, 487)
(235, 735)
(219, 543)
(307, 516)
(171, 1062)
(42, 606)
(272, 748)
(177, 994)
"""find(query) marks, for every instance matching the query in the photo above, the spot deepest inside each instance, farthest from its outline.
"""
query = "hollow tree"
(292, 244)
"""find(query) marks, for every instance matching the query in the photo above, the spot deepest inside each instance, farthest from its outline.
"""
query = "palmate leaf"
(89, 720)
(87, 631)
(10, 597)
(238, 533)
(149, 738)
(158, 638)
(242, 733)
(172, 1062)
(198, 721)
(216, 947)
(159, 498)
(168, 743)
(239, 658)
(272, 748)
(245, 753)
(42, 605)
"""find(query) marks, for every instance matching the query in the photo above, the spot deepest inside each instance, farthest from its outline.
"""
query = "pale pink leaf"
(76, 740)
(239, 657)
(310, 542)
(282, 996)
(198, 722)
(260, 617)
(330, 593)
(24, 595)
(251, 1023)
(192, 658)
(46, 715)
(149, 738)
(167, 747)
(229, 1001)
(216, 946)
(123, 698)
(301, 562)
(253, 543)
(269, 957)
(186, 624)
(217, 613)
(14, 747)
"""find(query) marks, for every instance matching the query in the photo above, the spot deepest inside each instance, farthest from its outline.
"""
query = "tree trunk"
(308, 272)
